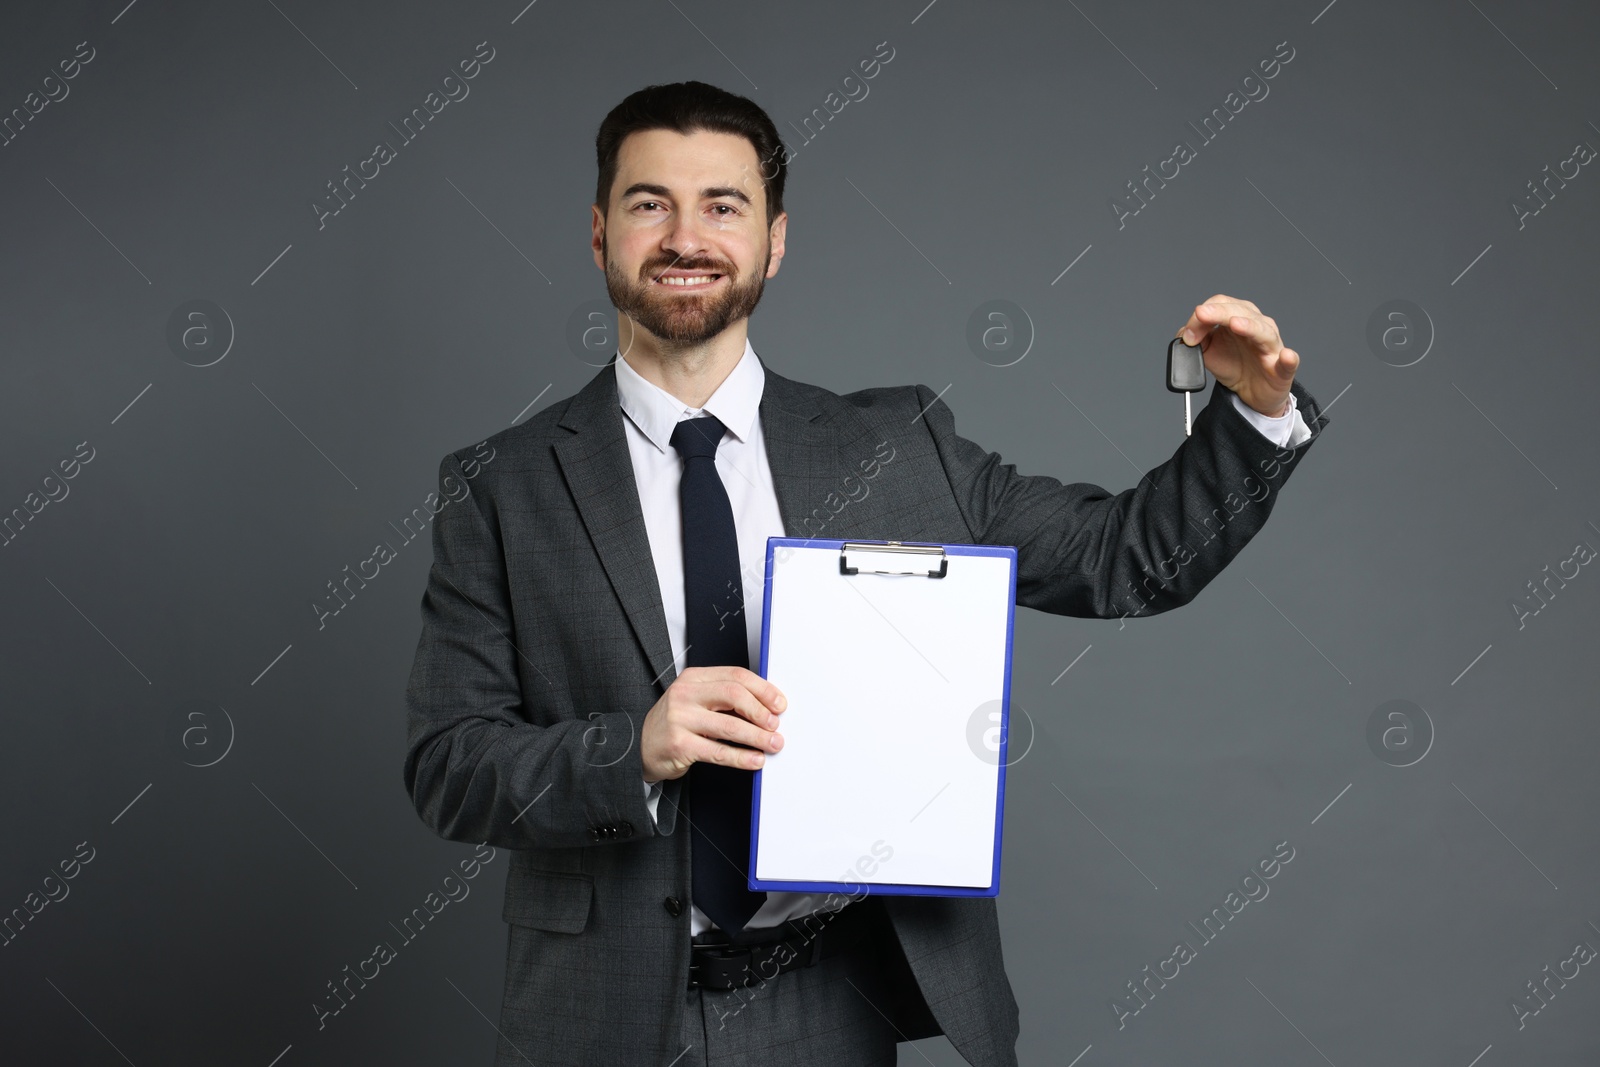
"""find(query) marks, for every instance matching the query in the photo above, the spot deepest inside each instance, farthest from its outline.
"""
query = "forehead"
(689, 162)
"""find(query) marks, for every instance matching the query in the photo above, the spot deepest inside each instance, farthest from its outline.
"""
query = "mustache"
(655, 269)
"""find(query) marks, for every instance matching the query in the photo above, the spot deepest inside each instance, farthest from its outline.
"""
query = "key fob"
(1186, 371)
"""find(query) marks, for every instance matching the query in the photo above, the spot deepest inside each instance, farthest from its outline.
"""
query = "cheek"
(630, 249)
(636, 237)
(752, 252)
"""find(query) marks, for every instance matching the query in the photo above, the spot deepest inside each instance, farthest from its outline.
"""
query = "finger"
(1255, 328)
(731, 695)
(759, 687)
(704, 750)
(1223, 298)
(720, 726)
(764, 691)
(1207, 317)
(1243, 321)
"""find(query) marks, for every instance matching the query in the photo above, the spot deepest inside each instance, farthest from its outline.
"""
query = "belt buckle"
(718, 960)
(736, 964)
(809, 942)
(814, 949)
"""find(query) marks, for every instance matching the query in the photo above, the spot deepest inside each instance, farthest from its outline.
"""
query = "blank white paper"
(886, 676)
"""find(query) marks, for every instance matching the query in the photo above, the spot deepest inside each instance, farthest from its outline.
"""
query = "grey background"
(177, 574)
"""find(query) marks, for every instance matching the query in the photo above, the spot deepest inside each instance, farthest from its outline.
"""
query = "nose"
(683, 239)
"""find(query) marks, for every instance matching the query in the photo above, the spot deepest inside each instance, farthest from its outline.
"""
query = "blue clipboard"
(896, 659)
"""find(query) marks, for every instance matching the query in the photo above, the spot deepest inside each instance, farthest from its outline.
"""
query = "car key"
(1186, 373)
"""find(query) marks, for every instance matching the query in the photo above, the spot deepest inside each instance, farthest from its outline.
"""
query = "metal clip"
(918, 557)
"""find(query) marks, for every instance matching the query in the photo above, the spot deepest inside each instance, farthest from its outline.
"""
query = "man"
(582, 692)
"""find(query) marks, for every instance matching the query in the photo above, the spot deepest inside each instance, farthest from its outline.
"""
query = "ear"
(780, 228)
(598, 224)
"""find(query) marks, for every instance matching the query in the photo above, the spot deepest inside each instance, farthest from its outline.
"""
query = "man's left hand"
(1241, 347)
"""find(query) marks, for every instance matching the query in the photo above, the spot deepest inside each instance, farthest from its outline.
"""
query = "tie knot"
(696, 438)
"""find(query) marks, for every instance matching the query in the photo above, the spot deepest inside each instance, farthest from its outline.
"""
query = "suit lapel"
(599, 474)
(801, 451)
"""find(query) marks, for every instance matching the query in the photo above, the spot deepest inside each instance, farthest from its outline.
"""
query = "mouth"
(687, 281)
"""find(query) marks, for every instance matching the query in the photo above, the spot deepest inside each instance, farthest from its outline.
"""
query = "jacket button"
(594, 834)
(673, 905)
(627, 829)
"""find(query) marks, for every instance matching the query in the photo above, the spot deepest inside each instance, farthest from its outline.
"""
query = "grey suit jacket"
(544, 645)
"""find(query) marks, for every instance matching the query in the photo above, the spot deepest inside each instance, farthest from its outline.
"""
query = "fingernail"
(775, 741)
(760, 759)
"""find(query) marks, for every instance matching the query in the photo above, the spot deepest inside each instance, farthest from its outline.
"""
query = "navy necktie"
(716, 636)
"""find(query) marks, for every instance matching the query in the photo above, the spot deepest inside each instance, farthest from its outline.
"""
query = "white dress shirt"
(652, 414)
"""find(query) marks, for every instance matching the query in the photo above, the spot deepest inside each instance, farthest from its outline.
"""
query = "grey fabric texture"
(832, 1014)
(544, 645)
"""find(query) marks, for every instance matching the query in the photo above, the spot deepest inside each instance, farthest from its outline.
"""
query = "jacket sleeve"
(477, 768)
(1086, 552)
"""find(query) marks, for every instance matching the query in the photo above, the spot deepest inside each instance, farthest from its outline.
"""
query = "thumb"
(1285, 365)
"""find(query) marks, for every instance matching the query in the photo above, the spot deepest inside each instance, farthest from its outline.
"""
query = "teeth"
(704, 279)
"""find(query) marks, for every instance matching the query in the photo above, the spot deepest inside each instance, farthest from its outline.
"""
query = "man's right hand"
(702, 711)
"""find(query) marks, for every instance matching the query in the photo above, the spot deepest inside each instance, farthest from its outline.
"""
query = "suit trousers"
(831, 1014)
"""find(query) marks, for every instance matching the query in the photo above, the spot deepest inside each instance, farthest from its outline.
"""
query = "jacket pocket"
(548, 900)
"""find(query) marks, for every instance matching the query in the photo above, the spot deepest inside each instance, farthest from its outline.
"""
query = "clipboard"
(895, 657)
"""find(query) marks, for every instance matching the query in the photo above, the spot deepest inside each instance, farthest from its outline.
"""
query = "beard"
(684, 319)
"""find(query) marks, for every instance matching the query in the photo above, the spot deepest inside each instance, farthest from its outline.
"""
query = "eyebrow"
(711, 192)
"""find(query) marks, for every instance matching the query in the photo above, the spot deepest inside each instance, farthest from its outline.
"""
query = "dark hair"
(686, 107)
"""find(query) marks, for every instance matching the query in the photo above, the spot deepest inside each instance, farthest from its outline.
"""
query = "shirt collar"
(657, 412)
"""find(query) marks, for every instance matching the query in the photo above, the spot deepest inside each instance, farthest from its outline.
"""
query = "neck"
(689, 372)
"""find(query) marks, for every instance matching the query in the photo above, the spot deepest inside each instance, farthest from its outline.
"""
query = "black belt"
(718, 963)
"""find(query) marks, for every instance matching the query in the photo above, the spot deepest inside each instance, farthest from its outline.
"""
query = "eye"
(645, 203)
(731, 210)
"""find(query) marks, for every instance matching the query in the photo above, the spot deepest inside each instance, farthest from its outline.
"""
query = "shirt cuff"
(652, 797)
(1287, 430)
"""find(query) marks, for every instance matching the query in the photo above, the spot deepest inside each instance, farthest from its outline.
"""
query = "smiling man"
(582, 691)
